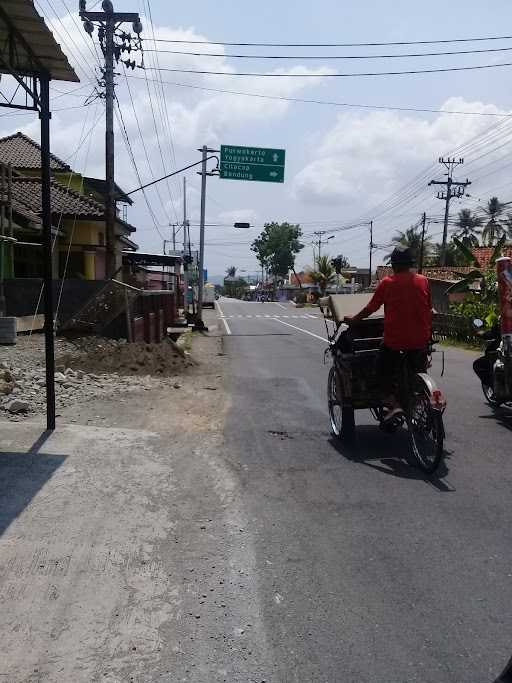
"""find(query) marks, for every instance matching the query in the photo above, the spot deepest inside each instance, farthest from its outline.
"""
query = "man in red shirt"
(407, 321)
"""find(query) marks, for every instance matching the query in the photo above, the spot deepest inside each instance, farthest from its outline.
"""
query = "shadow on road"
(22, 476)
(501, 416)
(387, 453)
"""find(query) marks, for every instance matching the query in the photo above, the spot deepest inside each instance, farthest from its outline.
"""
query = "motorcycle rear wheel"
(490, 396)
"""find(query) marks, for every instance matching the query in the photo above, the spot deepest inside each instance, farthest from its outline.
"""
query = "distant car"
(209, 297)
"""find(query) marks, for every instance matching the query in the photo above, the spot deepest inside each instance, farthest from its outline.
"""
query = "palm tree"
(487, 278)
(231, 271)
(453, 256)
(468, 223)
(494, 218)
(508, 224)
(411, 238)
(324, 275)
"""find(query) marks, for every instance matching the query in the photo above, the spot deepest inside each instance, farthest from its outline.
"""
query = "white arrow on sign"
(273, 174)
(275, 158)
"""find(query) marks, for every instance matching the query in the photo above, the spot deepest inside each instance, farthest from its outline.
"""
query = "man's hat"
(402, 256)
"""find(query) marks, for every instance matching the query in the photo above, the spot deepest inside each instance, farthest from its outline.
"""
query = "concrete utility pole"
(203, 173)
(422, 248)
(319, 242)
(371, 254)
(447, 195)
(109, 23)
(185, 249)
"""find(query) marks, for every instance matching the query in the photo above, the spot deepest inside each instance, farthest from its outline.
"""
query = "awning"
(36, 50)
(140, 259)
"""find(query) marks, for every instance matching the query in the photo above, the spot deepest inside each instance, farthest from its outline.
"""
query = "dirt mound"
(94, 355)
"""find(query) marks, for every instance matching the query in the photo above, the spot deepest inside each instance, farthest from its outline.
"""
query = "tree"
(411, 238)
(276, 248)
(453, 255)
(325, 273)
(468, 223)
(231, 271)
(494, 218)
(486, 277)
(340, 263)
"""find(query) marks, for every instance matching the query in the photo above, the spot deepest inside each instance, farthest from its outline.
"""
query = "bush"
(473, 307)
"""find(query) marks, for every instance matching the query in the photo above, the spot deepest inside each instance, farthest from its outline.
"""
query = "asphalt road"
(367, 571)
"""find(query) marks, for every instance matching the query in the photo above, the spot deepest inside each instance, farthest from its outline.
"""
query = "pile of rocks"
(86, 369)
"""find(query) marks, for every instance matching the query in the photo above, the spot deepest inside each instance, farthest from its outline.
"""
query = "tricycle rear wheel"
(342, 417)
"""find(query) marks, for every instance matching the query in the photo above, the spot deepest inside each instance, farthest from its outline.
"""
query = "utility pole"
(185, 250)
(371, 254)
(109, 23)
(203, 173)
(319, 242)
(422, 248)
(448, 194)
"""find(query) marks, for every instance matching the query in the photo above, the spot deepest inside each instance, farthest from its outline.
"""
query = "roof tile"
(63, 200)
(22, 152)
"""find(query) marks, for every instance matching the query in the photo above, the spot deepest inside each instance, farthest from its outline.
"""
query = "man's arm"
(373, 305)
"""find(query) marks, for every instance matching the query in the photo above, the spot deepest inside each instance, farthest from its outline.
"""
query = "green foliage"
(325, 274)
(468, 223)
(453, 256)
(412, 238)
(277, 246)
(340, 263)
(474, 307)
(494, 221)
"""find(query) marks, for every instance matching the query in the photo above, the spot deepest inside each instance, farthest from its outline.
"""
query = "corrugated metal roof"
(38, 50)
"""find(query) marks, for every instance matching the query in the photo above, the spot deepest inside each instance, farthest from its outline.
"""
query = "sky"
(345, 165)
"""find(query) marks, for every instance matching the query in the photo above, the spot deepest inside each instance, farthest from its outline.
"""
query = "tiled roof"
(22, 152)
(67, 201)
(20, 209)
(484, 255)
(445, 273)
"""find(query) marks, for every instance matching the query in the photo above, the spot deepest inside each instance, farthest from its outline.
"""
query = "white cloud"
(238, 216)
(366, 157)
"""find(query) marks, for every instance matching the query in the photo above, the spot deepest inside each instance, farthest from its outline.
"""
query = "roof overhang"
(138, 258)
(27, 46)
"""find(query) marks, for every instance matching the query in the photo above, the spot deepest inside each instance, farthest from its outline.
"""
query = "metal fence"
(449, 326)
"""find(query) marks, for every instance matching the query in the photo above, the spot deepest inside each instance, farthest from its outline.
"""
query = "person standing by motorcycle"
(407, 302)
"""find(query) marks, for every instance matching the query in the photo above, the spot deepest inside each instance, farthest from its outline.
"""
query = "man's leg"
(387, 364)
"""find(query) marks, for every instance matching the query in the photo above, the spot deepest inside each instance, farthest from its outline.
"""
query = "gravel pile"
(86, 369)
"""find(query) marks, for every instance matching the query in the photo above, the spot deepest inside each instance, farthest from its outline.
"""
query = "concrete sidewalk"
(124, 552)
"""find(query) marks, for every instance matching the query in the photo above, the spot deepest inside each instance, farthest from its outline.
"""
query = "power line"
(328, 57)
(300, 100)
(381, 44)
(336, 75)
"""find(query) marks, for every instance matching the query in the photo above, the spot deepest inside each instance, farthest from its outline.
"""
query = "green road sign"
(252, 163)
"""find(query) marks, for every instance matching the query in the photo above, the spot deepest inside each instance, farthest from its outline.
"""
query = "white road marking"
(228, 331)
(300, 329)
(281, 305)
(315, 317)
(258, 316)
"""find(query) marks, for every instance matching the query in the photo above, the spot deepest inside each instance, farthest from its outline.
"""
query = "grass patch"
(476, 345)
(185, 341)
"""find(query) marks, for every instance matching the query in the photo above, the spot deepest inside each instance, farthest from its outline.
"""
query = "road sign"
(252, 163)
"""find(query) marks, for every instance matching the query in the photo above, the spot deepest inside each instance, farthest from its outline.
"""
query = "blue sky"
(341, 162)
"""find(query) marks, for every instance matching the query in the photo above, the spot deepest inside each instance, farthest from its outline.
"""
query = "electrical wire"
(131, 155)
(300, 100)
(407, 72)
(369, 44)
(336, 57)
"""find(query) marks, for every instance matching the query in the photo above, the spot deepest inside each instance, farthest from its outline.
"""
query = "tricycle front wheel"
(342, 419)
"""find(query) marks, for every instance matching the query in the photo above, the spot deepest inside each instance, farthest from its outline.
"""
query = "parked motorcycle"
(494, 368)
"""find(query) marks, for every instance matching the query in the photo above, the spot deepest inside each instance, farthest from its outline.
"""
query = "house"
(484, 255)
(78, 216)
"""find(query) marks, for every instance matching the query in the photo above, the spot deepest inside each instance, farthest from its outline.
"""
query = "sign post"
(252, 163)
